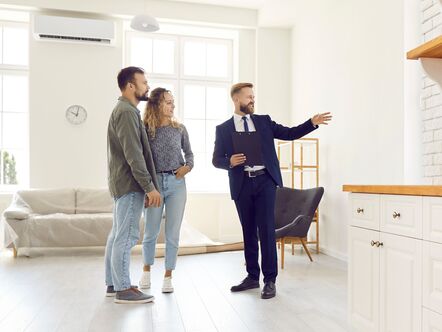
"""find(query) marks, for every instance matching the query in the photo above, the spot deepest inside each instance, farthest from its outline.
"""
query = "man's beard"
(247, 109)
(142, 97)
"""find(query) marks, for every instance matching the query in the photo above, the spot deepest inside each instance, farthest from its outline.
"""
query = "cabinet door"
(433, 219)
(364, 210)
(401, 283)
(432, 322)
(401, 215)
(432, 276)
(363, 278)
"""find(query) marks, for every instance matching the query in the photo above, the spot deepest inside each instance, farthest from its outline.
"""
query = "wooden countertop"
(414, 190)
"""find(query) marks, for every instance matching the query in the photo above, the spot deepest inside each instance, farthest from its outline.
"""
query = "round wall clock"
(76, 114)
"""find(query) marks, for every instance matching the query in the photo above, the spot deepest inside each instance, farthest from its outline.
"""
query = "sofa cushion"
(47, 201)
(69, 230)
(93, 201)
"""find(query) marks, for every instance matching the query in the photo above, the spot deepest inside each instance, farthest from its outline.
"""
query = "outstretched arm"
(292, 133)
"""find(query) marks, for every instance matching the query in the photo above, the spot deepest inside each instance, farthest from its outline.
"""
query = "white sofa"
(47, 218)
(58, 218)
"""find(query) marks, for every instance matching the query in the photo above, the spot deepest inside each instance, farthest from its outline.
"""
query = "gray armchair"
(294, 211)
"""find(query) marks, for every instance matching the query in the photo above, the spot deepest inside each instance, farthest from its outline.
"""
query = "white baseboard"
(334, 254)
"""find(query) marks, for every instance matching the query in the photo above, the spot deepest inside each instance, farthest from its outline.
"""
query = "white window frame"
(180, 79)
(18, 70)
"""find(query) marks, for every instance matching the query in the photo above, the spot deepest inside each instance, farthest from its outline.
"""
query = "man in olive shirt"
(130, 166)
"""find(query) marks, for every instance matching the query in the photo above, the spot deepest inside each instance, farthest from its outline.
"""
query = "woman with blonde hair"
(168, 140)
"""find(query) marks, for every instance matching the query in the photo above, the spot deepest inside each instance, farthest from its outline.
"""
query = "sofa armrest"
(16, 213)
(18, 209)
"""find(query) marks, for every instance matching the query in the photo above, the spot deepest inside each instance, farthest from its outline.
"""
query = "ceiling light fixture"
(145, 23)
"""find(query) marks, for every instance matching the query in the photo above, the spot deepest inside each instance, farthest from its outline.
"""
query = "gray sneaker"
(110, 291)
(132, 295)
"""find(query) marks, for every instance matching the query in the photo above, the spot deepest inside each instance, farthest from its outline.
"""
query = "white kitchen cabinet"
(400, 283)
(385, 281)
(364, 279)
(401, 215)
(432, 214)
(432, 276)
(364, 210)
(395, 261)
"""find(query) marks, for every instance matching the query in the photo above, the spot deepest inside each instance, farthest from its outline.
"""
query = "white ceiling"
(274, 13)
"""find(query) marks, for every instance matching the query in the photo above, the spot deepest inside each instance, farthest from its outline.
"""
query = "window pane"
(217, 60)
(196, 130)
(15, 93)
(164, 56)
(218, 177)
(1, 44)
(205, 177)
(160, 84)
(194, 58)
(15, 165)
(141, 53)
(15, 46)
(194, 101)
(197, 179)
(15, 130)
(218, 103)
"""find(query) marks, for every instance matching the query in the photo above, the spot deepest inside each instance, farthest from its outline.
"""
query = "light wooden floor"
(61, 291)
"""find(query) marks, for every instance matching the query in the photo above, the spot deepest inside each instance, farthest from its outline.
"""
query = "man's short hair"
(127, 75)
(238, 87)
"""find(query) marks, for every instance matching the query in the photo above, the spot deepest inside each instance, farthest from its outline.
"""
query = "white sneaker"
(167, 285)
(145, 280)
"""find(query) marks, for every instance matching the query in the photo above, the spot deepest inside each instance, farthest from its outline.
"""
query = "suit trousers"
(256, 206)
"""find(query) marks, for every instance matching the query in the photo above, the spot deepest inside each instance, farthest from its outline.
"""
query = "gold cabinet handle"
(373, 243)
(396, 215)
(380, 244)
(359, 210)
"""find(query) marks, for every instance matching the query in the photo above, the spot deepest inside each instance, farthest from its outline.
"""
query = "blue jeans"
(123, 236)
(173, 193)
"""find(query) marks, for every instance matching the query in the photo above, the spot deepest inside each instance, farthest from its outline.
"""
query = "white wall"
(273, 90)
(348, 59)
(413, 136)
(62, 74)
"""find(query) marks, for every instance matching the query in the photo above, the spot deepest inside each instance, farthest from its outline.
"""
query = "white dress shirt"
(239, 126)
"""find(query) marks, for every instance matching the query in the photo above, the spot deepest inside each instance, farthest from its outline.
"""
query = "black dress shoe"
(269, 290)
(247, 283)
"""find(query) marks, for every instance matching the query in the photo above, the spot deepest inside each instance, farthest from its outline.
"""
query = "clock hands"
(75, 113)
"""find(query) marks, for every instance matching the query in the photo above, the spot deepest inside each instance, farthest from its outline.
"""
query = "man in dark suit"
(253, 187)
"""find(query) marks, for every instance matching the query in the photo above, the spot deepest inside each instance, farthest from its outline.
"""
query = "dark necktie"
(246, 126)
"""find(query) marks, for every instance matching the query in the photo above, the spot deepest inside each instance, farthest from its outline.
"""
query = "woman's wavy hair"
(152, 113)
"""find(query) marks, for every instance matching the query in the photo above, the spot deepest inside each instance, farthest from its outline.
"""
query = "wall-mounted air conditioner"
(70, 29)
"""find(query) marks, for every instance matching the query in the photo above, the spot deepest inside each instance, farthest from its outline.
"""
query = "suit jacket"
(267, 130)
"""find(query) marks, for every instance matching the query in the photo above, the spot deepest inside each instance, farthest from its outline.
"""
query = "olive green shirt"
(129, 157)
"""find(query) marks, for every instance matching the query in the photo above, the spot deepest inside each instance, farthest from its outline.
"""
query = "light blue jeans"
(174, 194)
(123, 236)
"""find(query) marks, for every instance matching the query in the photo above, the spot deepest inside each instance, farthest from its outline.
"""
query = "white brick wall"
(431, 100)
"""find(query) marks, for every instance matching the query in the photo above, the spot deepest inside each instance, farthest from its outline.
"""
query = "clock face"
(76, 114)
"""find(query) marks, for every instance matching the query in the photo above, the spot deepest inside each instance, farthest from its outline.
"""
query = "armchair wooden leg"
(14, 252)
(306, 250)
(282, 253)
(293, 248)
